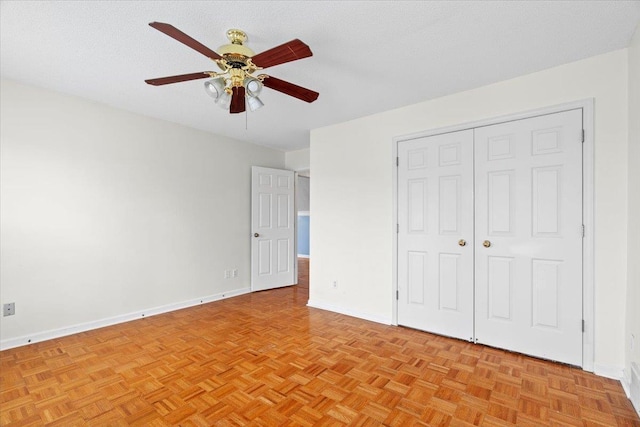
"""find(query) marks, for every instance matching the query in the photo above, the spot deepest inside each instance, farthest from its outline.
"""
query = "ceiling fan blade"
(290, 89)
(175, 33)
(237, 100)
(290, 51)
(175, 79)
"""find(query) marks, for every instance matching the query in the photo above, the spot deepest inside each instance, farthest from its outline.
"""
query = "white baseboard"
(83, 327)
(608, 371)
(349, 312)
(303, 256)
(625, 377)
(626, 382)
(633, 387)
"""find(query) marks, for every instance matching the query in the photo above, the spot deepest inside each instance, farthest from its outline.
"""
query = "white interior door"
(273, 228)
(528, 187)
(435, 236)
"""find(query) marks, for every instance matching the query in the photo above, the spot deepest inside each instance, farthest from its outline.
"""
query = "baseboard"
(303, 256)
(633, 387)
(626, 383)
(617, 373)
(349, 312)
(83, 327)
(608, 371)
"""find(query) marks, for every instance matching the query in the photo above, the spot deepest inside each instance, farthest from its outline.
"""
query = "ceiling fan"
(236, 85)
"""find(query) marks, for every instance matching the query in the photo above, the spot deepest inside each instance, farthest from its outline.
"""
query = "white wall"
(302, 193)
(633, 280)
(352, 230)
(297, 160)
(105, 213)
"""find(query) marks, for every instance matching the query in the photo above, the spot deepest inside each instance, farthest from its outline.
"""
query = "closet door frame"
(588, 187)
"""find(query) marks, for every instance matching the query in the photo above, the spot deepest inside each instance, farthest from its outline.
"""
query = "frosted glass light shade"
(253, 86)
(254, 103)
(224, 101)
(214, 87)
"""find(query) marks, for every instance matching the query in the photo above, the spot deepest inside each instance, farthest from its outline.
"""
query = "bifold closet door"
(435, 237)
(528, 244)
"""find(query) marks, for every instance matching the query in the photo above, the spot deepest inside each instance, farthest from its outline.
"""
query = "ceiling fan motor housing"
(236, 53)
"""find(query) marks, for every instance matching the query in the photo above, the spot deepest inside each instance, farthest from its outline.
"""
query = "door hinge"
(397, 294)
(582, 135)
(583, 232)
(582, 325)
(397, 161)
(397, 228)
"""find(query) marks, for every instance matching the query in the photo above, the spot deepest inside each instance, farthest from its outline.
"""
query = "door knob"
(256, 235)
(462, 242)
(486, 243)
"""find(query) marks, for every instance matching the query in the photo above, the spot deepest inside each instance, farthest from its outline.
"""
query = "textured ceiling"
(369, 56)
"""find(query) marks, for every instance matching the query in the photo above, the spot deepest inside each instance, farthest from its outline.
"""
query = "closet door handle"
(462, 242)
(486, 243)
(256, 235)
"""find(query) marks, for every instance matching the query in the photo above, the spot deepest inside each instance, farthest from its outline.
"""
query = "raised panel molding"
(283, 211)
(417, 159)
(500, 147)
(449, 155)
(546, 141)
(417, 273)
(500, 283)
(417, 209)
(546, 201)
(284, 182)
(283, 255)
(448, 204)
(264, 180)
(264, 220)
(501, 202)
(546, 284)
(265, 250)
(448, 289)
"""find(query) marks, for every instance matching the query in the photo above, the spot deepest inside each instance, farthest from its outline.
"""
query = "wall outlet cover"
(9, 309)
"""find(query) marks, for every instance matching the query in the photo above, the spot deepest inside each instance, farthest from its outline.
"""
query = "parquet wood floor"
(303, 272)
(265, 359)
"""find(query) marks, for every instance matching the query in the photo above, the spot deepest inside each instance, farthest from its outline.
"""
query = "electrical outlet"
(9, 309)
(335, 283)
(234, 272)
(227, 274)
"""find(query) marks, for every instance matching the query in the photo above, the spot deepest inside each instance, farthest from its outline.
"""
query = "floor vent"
(635, 386)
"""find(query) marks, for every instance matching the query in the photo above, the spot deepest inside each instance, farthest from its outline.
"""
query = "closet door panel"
(435, 212)
(528, 280)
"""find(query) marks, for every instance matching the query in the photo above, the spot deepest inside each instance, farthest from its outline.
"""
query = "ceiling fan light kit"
(236, 86)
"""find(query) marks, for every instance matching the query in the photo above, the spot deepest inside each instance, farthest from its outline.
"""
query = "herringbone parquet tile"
(266, 359)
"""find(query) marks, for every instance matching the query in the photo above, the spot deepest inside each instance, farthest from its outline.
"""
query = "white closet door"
(528, 189)
(435, 212)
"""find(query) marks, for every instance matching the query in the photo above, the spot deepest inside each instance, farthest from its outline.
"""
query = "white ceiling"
(369, 56)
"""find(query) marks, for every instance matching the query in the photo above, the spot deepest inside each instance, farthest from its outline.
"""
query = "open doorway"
(303, 222)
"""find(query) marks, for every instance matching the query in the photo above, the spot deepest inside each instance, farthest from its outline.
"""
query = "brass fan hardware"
(236, 36)
(486, 243)
(462, 242)
(236, 85)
